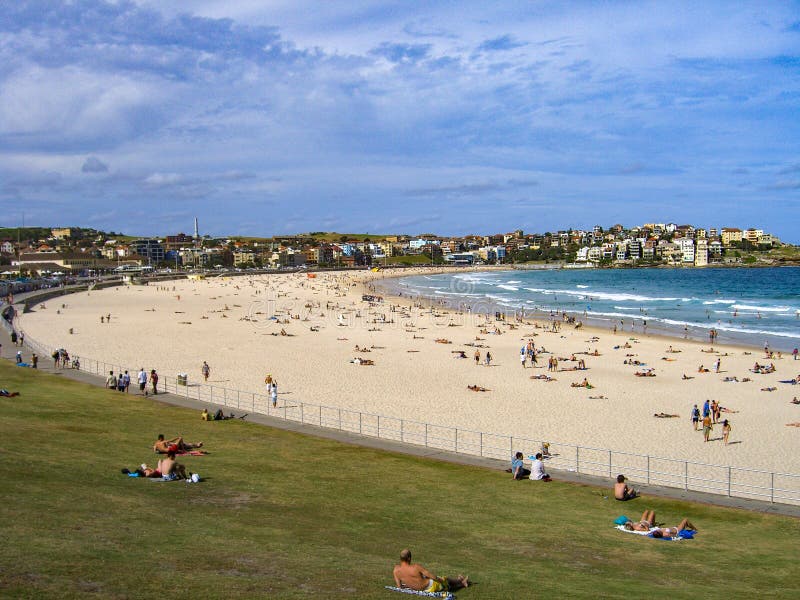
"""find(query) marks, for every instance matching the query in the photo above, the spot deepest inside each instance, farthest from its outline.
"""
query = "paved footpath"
(46, 365)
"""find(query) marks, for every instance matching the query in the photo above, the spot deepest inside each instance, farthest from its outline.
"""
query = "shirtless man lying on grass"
(416, 577)
(176, 445)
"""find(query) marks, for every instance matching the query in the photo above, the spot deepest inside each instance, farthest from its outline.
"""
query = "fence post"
(729, 482)
(320, 415)
(302, 413)
(402, 430)
(379, 426)
(648, 469)
(340, 419)
(426, 435)
(359, 423)
(609, 463)
(686, 475)
(481, 444)
(237, 398)
(211, 394)
(772, 487)
(577, 459)
(456, 440)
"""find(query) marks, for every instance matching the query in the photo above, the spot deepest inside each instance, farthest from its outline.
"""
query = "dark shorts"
(141, 386)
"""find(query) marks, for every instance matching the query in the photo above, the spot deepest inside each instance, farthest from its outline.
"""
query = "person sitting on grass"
(622, 491)
(162, 446)
(414, 576)
(171, 469)
(537, 469)
(7, 394)
(518, 470)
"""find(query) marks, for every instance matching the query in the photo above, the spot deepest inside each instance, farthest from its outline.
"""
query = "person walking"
(206, 370)
(696, 417)
(154, 381)
(141, 378)
(273, 393)
(707, 427)
(726, 431)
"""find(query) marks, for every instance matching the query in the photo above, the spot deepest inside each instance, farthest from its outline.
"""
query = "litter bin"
(183, 379)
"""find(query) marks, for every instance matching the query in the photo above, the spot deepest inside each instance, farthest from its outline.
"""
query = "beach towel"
(789, 381)
(192, 453)
(446, 595)
(649, 534)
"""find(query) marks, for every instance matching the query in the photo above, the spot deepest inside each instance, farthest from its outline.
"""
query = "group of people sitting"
(536, 472)
(168, 468)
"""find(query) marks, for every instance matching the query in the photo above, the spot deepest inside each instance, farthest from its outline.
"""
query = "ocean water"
(751, 306)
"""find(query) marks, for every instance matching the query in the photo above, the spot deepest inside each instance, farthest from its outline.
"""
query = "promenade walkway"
(46, 365)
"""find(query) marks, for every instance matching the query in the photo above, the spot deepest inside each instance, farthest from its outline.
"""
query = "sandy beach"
(235, 324)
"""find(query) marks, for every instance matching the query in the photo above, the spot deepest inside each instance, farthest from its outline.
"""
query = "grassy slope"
(282, 515)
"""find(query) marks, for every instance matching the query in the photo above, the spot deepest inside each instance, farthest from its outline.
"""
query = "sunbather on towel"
(646, 523)
(673, 531)
(175, 445)
(416, 577)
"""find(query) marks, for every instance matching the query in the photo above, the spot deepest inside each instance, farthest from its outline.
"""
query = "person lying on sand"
(793, 424)
(477, 388)
(601, 397)
(174, 445)
(459, 354)
(685, 377)
(731, 379)
(768, 389)
(702, 369)
(363, 361)
(442, 341)
(663, 415)
(645, 373)
(543, 377)
(794, 400)
(585, 384)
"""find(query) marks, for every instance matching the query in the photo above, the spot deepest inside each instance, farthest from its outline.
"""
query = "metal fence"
(688, 475)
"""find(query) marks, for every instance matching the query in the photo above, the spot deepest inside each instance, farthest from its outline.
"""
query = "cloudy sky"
(264, 117)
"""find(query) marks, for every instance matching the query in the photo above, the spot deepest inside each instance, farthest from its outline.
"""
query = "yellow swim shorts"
(436, 586)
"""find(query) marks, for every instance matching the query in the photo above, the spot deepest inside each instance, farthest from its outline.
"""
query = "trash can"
(183, 379)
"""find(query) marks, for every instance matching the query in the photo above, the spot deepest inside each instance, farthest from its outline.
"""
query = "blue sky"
(270, 117)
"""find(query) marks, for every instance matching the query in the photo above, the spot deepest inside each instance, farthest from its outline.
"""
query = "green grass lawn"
(281, 515)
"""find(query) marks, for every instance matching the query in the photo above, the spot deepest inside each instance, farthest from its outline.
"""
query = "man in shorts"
(142, 379)
(170, 469)
(414, 576)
